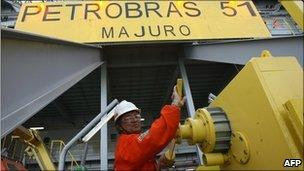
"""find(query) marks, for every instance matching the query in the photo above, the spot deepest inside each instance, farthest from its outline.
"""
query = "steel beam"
(142, 65)
(189, 100)
(35, 70)
(84, 155)
(240, 52)
(186, 87)
(104, 129)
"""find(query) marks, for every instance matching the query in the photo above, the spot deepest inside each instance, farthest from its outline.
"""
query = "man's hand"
(176, 99)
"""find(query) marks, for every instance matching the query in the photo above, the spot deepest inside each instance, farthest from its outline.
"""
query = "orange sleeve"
(143, 147)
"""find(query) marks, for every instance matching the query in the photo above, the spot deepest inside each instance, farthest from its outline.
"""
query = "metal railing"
(61, 145)
(78, 137)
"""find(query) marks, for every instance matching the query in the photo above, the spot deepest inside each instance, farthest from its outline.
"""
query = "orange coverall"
(138, 151)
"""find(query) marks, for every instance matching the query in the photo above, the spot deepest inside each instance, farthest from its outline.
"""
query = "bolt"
(245, 152)
(241, 139)
(241, 161)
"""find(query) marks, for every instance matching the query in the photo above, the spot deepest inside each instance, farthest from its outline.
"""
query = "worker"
(136, 150)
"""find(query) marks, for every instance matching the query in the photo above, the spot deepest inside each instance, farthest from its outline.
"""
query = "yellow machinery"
(256, 122)
(35, 147)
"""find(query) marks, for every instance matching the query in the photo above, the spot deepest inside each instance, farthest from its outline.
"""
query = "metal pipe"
(83, 132)
(186, 86)
(185, 131)
(104, 129)
(214, 159)
(84, 156)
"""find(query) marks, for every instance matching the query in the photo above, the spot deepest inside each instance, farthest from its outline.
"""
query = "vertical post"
(104, 129)
(189, 101)
(84, 155)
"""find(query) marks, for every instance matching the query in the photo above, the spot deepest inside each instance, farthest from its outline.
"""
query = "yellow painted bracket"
(265, 54)
(179, 87)
(295, 9)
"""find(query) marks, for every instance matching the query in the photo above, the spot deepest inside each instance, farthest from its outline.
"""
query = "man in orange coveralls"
(135, 150)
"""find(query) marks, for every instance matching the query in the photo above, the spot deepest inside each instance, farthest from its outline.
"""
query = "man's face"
(130, 122)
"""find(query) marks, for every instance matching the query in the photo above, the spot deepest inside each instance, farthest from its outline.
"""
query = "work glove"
(176, 100)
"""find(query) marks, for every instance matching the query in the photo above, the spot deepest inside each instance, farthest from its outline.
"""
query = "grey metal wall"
(35, 70)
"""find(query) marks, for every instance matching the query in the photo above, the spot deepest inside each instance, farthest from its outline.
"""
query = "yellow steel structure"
(255, 104)
(295, 9)
(35, 147)
(264, 104)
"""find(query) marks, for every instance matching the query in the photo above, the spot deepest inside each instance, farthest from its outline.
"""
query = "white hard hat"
(124, 107)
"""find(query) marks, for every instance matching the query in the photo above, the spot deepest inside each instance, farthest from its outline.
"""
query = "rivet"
(242, 161)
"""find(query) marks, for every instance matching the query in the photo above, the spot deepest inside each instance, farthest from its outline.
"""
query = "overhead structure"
(240, 52)
(202, 36)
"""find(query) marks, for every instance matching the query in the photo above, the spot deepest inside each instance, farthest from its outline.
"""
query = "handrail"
(73, 160)
(83, 132)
